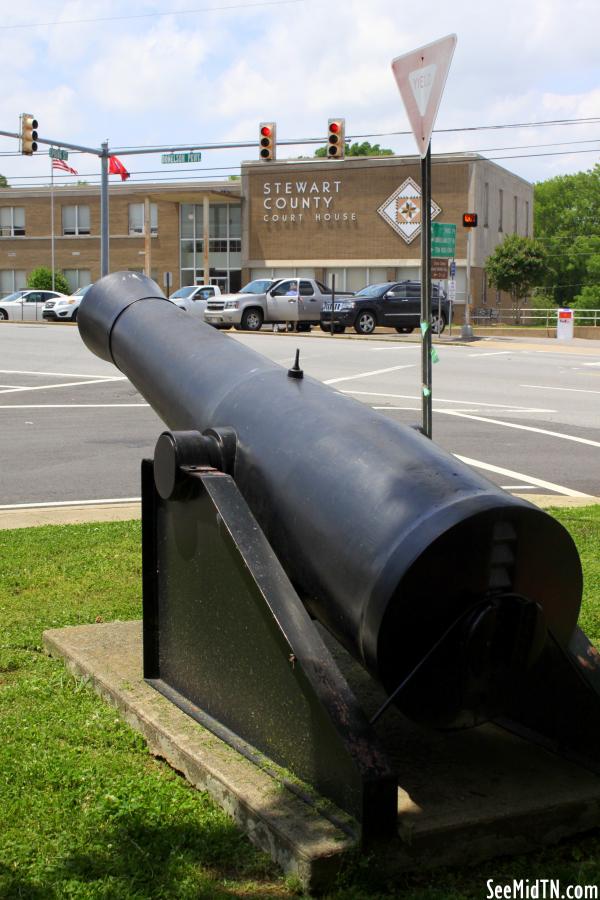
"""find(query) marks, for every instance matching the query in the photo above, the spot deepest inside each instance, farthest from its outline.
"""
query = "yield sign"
(421, 76)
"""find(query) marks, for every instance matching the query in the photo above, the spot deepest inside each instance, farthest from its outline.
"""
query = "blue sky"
(172, 77)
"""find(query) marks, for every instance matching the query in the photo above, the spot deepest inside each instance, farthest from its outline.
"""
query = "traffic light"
(336, 138)
(469, 220)
(28, 134)
(267, 140)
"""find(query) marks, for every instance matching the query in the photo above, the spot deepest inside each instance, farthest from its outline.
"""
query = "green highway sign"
(56, 153)
(181, 157)
(443, 240)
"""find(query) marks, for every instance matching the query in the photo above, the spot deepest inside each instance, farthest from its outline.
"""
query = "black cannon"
(274, 501)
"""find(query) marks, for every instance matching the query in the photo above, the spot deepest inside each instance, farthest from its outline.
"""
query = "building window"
(515, 211)
(75, 220)
(77, 278)
(486, 204)
(136, 218)
(500, 205)
(12, 280)
(12, 221)
(224, 245)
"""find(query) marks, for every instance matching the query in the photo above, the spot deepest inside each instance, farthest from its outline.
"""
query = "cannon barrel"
(440, 584)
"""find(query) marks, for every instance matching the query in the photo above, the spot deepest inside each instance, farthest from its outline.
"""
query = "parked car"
(64, 309)
(194, 298)
(395, 304)
(26, 306)
(294, 302)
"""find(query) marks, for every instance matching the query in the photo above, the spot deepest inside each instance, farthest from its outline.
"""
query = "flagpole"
(52, 219)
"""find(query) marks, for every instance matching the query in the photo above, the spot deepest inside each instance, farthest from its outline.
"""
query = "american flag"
(61, 164)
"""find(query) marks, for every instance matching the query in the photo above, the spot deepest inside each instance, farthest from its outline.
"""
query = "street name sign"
(443, 240)
(181, 157)
(421, 76)
(57, 153)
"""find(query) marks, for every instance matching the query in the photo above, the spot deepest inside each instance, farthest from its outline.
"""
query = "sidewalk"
(118, 512)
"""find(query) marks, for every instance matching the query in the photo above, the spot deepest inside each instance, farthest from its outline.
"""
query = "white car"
(195, 297)
(26, 306)
(64, 309)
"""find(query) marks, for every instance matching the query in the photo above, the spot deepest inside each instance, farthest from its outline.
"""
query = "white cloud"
(212, 77)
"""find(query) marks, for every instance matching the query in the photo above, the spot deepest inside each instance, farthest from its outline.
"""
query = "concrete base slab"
(483, 788)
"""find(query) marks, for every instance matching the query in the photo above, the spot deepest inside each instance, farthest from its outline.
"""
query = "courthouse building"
(358, 219)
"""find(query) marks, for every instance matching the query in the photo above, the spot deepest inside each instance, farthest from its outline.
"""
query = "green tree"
(588, 299)
(41, 278)
(364, 149)
(515, 266)
(567, 222)
(3, 181)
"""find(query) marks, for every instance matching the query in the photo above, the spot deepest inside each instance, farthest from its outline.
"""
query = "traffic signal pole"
(104, 233)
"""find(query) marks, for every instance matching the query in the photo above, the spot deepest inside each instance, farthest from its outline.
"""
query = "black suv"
(395, 304)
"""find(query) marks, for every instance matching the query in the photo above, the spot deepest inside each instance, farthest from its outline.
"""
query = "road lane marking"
(49, 387)
(517, 487)
(368, 374)
(494, 353)
(444, 400)
(61, 374)
(70, 503)
(549, 387)
(71, 405)
(558, 434)
(591, 364)
(519, 476)
(396, 347)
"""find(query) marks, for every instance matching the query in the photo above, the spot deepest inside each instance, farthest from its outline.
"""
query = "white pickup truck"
(295, 302)
(193, 298)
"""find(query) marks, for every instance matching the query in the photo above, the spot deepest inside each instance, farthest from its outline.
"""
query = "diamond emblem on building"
(402, 210)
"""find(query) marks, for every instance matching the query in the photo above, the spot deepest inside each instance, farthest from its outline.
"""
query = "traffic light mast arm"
(95, 150)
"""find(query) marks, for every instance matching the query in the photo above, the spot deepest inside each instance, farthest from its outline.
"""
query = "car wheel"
(74, 316)
(402, 329)
(438, 323)
(3, 315)
(365, 322)
(252, 319)
(303, 326)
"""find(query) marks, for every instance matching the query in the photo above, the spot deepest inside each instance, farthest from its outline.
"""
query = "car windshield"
(260, 286)
(183, 292)
(82, 290)
(16, 296)
(372, 290)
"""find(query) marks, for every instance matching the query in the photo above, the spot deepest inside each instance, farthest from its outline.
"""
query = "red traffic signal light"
(336, 139)
(267, 140)
(469, 220)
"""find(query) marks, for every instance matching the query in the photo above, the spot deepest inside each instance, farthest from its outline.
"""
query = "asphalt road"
(526, 414)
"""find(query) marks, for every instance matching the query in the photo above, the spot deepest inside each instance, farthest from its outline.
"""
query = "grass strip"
(87, 812)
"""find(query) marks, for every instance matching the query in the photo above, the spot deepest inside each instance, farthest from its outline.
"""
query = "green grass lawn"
(87, 812)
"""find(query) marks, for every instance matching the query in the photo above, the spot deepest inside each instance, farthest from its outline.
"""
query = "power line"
(319, 140)
(152, 15)
(454, 158)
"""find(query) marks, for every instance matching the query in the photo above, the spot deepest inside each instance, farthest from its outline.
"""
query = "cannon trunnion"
(274, 501)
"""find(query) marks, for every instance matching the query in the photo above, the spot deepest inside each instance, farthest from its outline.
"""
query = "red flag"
(116, 167)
